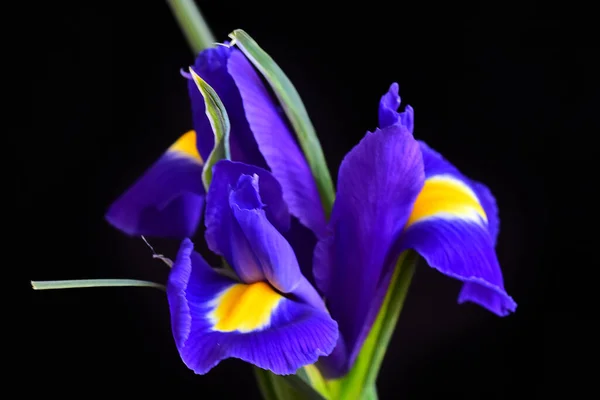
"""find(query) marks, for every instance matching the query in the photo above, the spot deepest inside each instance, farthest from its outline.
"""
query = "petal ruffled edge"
(388, 110)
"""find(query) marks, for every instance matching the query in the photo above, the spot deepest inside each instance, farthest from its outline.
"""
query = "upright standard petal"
(278, 145)
(274, 255)
(259, 132)
(378, 183)
(167, 201)
(453, 225)
(220, 223)
(225, 177)
(211, 65)
(214, 318)
(245, 216)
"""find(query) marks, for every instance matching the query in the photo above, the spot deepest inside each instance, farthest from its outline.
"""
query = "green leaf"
(90, 283)
(219, 122)
(284, 387)
(359, 383)
(295, 111)
(312, 376)
(265, 384)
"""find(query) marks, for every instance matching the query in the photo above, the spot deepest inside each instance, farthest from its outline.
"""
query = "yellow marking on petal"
(446, 196)
(186, 145)
(245, 308)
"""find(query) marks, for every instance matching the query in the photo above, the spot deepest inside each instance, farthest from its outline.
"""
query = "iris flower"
(268, 313)
(167, 200)
(394, 194)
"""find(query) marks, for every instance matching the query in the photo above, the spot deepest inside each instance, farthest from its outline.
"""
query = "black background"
(482, 80)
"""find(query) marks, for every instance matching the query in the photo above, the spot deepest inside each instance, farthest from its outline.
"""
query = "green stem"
(370, 393)
(395, 301)
(88, 283)
(192, 24)
(284, 387)
(359, 383)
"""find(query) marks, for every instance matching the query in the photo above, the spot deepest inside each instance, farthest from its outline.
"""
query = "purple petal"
(388, 110)
(240, 227)
(488, 202)
(277, 145)
(218, 218)
(436, 164)
(211, 65)
(303, 241)
(378, 183)
(453, 226)
(463, 250)
(214, 318)
(273, 255)
(167, 200)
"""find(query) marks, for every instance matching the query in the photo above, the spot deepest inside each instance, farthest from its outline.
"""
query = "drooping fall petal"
(167, 201)
(454, 222)
(214, 317)
(453, 226)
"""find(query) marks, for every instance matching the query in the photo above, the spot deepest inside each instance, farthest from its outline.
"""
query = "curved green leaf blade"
(295, 111)
(360, 381)
(219, 122)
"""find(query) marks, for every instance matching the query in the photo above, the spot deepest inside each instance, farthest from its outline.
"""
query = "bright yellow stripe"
(245, 308)
(445, 196)
(186, 145)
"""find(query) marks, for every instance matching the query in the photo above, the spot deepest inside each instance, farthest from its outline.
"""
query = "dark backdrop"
(109, 99)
